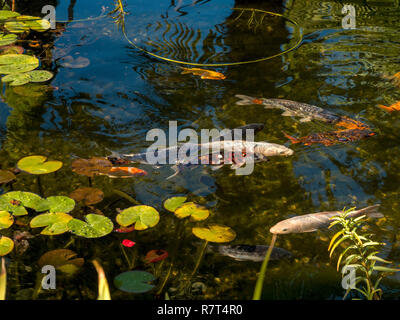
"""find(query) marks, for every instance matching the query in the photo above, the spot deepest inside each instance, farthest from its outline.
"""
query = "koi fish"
(393, 107)
(314, 221)
(256, 253)
(351, 124)
(306, 112)
(395, 78)
(124, 172)
(331, 138)
(204, 74)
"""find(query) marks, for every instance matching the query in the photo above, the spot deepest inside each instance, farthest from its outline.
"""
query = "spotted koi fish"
(331, 138)
(393, 107)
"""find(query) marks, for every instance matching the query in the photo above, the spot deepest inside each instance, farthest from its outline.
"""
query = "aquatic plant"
(104, 291)
(143, 217)
(359, 253)
(63, 260)
(134, 281)
(3, 279)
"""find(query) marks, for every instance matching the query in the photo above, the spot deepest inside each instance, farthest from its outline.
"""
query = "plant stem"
(263, 270)
(39, 184)
(3, 280)
(125, 196)
(203, 250)
(166, 279)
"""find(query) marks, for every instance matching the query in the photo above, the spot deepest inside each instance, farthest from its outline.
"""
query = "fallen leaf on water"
(156, 255)
(78, 63)
(91, 167)
(87, 195)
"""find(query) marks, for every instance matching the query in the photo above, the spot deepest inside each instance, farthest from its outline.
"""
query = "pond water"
(111, 103)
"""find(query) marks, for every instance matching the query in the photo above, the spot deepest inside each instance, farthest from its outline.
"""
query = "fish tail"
(370, 212)
(390, 109)
(246, 100)
(292, 139)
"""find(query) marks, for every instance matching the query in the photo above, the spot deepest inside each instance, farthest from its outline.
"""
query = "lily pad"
(6, 176)
(96, 226)
(215, 233)
(35, 23)
(6, 220)
(14, 63)
(142, 216)
(11, 50)
(62, 259)
(87, 195)
(56, 204)
(6, 14)
(134, 281)
(6, 39)
(40, 75)
(91, 167)
(78, 63)
(55, 223)
(6, 245)
(16, 201)
(16, 26)
(17, 79)
(154, 256)
(172, 203)
(192, 210)
(38, 165)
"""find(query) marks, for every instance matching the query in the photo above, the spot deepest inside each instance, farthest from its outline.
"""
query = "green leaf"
(37, 24)
(40, 75)
(16, 201)
(337, 243)
(172, 203)
(375, 258)
(371, 243)
(134, 281)
(6, 245)
(55, 223)
(215, 233)
(6, 39)
(38, 165)
(15, 63)
(56, 204)
(192, 210)
(17, 79)
(6, 220)
(6, 14)
(142, 216)
(16, 26)
(96, 226)
(334, 238)
(385, 269)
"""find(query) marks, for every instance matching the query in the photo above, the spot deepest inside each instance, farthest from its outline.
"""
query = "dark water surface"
(112, 103)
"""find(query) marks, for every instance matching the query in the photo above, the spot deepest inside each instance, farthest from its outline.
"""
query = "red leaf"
(156, 255)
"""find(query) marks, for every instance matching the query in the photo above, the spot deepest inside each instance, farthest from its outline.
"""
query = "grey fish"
(307, 112)
(314, 221)
(256, 253)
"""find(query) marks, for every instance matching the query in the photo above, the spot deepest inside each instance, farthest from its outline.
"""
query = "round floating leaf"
(6, 14)
(62, 259)
(192, 210)
(12, 50)
(91, 167)
(6, 220)
(15, 63)
(6, 245)
(36, 23)
(16, 26)
(215, 233)
(70, 62)
(17, 79)
(154, 256)
(95, 227)
(142, 216)
(38, 165)
(40, 75)
(55, 223)
(134, 281)
(7, 39)
(87, 195)
(6, 176)
(56, 204)
(172, 203)
(15, 201)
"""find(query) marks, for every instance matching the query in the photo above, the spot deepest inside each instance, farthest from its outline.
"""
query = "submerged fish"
(351, 124)
(307, 112)
(393, 107)
(314, 221)
(204, 74)
(334, 137)
(256, 253)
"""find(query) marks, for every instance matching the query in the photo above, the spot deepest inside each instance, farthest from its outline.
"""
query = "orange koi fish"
(393, 107)
(351, 124)
(124, 172)
(204, 74)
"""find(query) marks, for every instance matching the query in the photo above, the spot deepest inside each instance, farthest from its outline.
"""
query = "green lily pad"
(55, 223)
(6, 176)
(6, 14)
(172, 203)
(96, 226)
(6, 245)
(6, 220)
(62, 259)
(87, 195)
(142, 216)
(40, 75)
(56, 204)
(15, 63)
(192, 210)
(6, 39)
(16, 26)
(134, 281)
(11, 50)
(38, 165)
(37, 24)
(16, 201)
(215, 233)
(17, 79)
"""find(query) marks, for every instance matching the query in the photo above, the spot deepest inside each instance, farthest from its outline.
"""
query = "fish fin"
(305, 119)
(244, 100)
(371, 211)
(288, 114)
(390, 109)
(236, 165)
(292, 139)
(177, 171)
(214, 168)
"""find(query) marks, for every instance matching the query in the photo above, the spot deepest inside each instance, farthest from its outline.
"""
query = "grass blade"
(3, 280)
(104, 291)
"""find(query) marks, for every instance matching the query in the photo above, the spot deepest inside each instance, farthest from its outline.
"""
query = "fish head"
(283, 227)
(272, 149)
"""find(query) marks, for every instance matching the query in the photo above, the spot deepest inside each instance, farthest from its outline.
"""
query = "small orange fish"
(132, 171)
(204, 74)
(351, 124)
(393, 107)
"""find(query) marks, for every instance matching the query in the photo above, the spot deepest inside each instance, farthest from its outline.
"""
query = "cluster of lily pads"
(19, 68)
